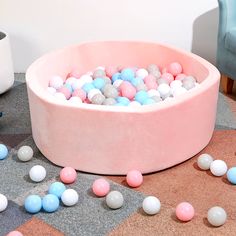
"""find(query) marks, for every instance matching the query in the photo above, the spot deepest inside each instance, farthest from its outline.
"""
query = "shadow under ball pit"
(111, 139)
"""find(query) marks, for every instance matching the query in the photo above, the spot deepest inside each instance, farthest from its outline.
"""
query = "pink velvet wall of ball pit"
(114, 140)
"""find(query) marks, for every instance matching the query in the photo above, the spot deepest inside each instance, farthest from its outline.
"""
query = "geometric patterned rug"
(91, 216)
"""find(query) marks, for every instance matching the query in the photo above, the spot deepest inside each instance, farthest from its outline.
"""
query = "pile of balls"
(123, 86)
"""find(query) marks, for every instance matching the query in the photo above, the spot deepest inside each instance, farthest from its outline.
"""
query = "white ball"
(78, 84)
(117, 83)
(153, 93)
(75, 100)
(60, 96)
(114, 200)
(177, 91)
(141, 73)
(151, 205)
(134, 104)
(37, 173)
(164, 90)
(69, 197)
(92, 93)
(51, 90)
(56, 82)
(218, 168)
(70, 80)
(25, 153)
(90, 73)
(3, 202)
(176, 83)
(216, 216)
(204, 161)
(86, 78)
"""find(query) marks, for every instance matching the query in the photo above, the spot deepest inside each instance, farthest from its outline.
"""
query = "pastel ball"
(141, 96)
(134, 178)
(87, 87)
(216, 216)
(180, 76)
(14, 233)
(99, 83)
(25, 153)
(3, 202)
(167, 76)
(114, 200)
(175, 68)
(116, 76)
(184, 211)
(204, 161)
(101, 187)
(57, 189)
(50, 203)
(151, 205)
(69, 197)
(136, 80)
(111, 70)
(127, 74)
(218, 168)
(141, 73)
(127, 90)
(33, 204)
(231, 175)
(3, 151)
(37, 173)
(68, 175)
(150, 82)
(56, 82)
(122, 100)
(79, 93)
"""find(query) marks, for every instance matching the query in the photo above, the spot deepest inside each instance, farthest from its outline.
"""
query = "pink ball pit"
(114, 140)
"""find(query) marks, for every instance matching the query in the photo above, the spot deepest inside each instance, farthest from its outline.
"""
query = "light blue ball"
(99, 83)
(141, 96)
(148, 101)
(33, 204)
(119, 104)
(57, 189)
(50, 203)
(87, 87)
(3, 151)
(123, 100)
(127, 74)
(69, 86)
(115, 77)
(135, 81)
(231, 175)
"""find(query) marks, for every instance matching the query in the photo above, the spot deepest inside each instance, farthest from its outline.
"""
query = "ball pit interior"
(116, 139)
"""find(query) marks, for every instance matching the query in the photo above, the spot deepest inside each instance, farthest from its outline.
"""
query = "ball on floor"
(114, 200)
(151, 205)
(69, 197)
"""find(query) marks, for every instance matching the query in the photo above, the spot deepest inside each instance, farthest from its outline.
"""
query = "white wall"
(36, 27)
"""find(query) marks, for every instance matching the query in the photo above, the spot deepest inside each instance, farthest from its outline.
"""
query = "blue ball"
(141, 96)
(135, 81)
(123, 100)
(115, 77)
(57, 189)
(148, 101)
(3, 151)
(50, 203)
(99, 83)
(33, 204)
(231, 175)
(119, 104)
(127, 74)
(87, 87)
(69, 86)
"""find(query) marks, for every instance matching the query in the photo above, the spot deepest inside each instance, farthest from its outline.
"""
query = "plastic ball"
(141, 73)
(134, 178)
(50, 203)
(69, 87)
(168, 77)
(117, 83)
(56, 82)
(127, 74)
(33, 204)
(98, 99)
(3, 202)
(75, 100)
(37, 173)
(152, 67)
(188, 84)
(60, 96)
(110, 91)
(136, 81)
(74, 73)
(99, 83)
(184, 211)
(115, 77)
(14, 233)
(87, 87)
(218, 168)
(123, 100)
(101, 187)
(162, 81)
(69, 197)
(151, 205)
(98, 73)
(135, 104)
(111, 70)
(156, 74)
(114, 200)
(204, 161)
(79, 93)
(92, 93)
(175, 68)
(70, 80)
(65, 91)
(176, 84)
(180, 76)
(150, 82)
(164, 90)
(3, 151)
(127, 90)
(141, 87)
(153, 93)
(141, 96)
(25, 153)
(149, 101)
(216, 216)
(68, 175)
(57, 188)
(177, 91)
(51, 90)
(109, 102)
(231, 175)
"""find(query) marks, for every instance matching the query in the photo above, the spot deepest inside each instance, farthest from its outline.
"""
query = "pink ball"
(175, 68)
(184, 211)
(134, 178)
(164, 70)
(68, 175)
(167, 76)
(74, 73)
(65, 91)
(127, 90)
(79, 93)
(101, 187)
(180, 76)
(111, 70)
(150, 82)
(14, 233)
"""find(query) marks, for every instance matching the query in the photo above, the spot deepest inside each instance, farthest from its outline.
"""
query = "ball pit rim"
(212, 78)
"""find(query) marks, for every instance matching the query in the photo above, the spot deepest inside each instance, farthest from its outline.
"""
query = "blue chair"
(226, 48)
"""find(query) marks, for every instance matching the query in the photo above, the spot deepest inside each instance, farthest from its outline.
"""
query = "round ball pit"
(111, 139)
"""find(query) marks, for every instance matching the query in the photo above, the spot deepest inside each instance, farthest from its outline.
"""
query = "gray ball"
(152, 67)
(162, 81)
(25, 153)
(188, 84)
(98, 73)
(141, 86)
(189, 78)
(107, 80)
(204, 161)
(216, 216)
(98, 99)
(109, 102)
(110, 91)
(114, 200)
(156, 99)
(156, 74)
